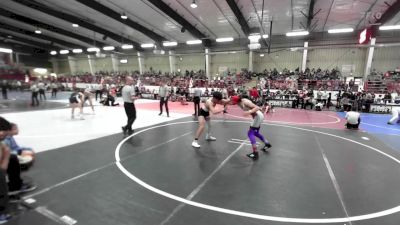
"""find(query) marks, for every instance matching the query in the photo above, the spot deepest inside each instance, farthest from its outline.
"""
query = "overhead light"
(172, 43)
(124, 16)
(9, 36)
(40, 70)
(193, 5)
(254, 38)
(53, 53)
(227, 39)
(194, 42)
(93, 49)
(37, 31)
(149, 45)
(392, 27)
(297, 33)
(342, 30)
(5, 50)
(77, 50)
(261, 55)
(127, 46)
(123, 61)
(64, 52)
(108, 48)
(75, 25)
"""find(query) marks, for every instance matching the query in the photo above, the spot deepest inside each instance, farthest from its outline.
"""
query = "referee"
(129, 96)
(196, 100)
(163, 93)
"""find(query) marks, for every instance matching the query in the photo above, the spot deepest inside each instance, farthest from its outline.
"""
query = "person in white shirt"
(35, 92)
(395, 116)
(163, 92)
(353, 120)
(42, 89)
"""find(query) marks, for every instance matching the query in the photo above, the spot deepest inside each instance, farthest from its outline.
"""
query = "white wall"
(234, 62)
(190, 62)
(332, 58)
(386, 59)
(279, 59)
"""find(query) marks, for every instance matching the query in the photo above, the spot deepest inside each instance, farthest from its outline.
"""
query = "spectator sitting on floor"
(353, 120)
(25, 155)
(319, 106)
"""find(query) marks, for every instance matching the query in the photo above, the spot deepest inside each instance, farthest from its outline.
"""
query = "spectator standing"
(54, 89)
(4, 86)
(35, 92)
(42, 89)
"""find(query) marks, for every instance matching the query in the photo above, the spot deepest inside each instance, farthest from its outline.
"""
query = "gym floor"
(88, 172)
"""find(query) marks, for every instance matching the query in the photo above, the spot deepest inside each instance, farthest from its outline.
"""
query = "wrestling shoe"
(266, 147)
(210, 138)
(124, 130)
(253, 155)
(195, 144)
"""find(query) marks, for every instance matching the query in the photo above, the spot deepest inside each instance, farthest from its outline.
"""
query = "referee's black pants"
(164, 101)
(196, 101)
(130, 111)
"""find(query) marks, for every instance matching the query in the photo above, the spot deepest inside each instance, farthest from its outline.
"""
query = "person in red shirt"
(254, 94)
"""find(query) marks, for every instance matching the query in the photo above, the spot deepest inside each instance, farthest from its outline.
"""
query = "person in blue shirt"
(25, 155)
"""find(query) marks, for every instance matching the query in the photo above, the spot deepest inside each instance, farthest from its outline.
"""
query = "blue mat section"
(376, 124)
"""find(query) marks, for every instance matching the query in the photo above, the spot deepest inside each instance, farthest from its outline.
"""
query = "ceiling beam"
(310, 13)
(51, 28)
(20, 48)
(72, 19)
(239, 16)
(390, 13)
(30, 42)
(117, 16)
(182, 21)
(39, 36)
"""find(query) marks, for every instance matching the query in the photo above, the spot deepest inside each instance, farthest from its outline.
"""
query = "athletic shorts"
(258, 118)
(74, 100)
(204, 113)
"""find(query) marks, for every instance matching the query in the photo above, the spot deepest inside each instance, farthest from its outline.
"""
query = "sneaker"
(225, 111)
(195, 144)
(27, 188)
(24, 160)
(160, 114)
(253, 155)
(210, 138)
(389, 123)
(14, 198)
(130, 132)
(124, 130)
(266, 147)
(4, 218)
